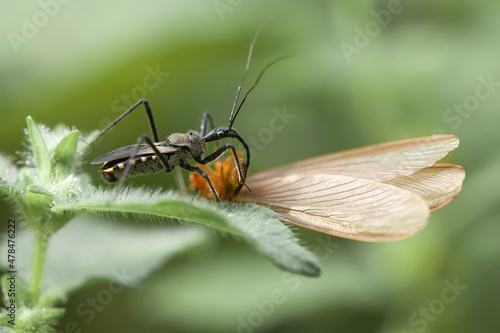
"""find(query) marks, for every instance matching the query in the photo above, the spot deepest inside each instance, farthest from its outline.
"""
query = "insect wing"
(380, 162)
(162, 148)
(376, 193)
(341, 205)
(437, 185)
(126, 152)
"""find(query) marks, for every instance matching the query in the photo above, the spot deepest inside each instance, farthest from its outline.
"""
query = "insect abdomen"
(143, 165)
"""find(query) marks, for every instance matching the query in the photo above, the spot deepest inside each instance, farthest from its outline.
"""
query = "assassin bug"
(178, 148)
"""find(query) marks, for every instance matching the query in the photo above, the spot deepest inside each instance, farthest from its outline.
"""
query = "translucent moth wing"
(437, 185)
(376, 193)
(341, 205)
(378, 162)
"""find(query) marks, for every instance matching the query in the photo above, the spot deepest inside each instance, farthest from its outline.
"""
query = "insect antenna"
(238, 91)
(251, 88)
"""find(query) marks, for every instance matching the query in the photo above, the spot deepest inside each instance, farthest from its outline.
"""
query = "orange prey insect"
(224, 177)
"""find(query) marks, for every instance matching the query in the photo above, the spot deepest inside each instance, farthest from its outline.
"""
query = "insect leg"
(206, 120)
(126, 113)
(128, 163)
(228, 133)
(179, 180)
(202, 173)
(212, 157)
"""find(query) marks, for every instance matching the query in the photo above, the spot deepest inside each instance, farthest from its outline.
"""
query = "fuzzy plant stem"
(38, 265)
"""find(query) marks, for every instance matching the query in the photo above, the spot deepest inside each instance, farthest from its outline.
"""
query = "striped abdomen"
(143, 165)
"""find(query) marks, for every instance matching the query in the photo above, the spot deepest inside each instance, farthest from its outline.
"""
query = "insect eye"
(191, 135)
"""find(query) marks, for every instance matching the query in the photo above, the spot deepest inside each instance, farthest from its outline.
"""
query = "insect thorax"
(192, 140)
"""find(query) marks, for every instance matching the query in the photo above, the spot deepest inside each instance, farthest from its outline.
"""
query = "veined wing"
(380, 162)
(341, 205)
(437, 185)
(376, 193)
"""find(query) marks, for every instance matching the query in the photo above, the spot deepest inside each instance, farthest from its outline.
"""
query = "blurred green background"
(362, 73)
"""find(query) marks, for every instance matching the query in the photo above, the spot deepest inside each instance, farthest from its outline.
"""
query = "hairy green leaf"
(39, 149)
(259, 226)
(65, 152)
